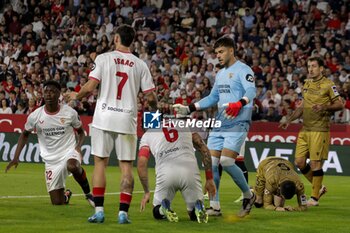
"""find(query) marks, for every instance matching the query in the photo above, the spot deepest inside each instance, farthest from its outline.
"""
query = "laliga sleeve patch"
(335, 91)
(249, 78)
(93, 66)
(303, 199)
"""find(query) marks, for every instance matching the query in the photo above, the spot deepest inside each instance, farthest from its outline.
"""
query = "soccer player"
(120, 75)
(54, 124)
(234, 87)
(320, 100)
(276, 181)
(176, 170)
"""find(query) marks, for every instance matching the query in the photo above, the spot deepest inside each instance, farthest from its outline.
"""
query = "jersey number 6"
(170, 135)
(124, 77)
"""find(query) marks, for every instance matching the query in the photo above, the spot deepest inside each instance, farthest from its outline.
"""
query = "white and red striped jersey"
(121, 75)
(55, 131)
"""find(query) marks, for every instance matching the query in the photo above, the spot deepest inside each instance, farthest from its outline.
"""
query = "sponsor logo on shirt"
(115, 109)
(54, 131)
(249, 78)
(224, 88)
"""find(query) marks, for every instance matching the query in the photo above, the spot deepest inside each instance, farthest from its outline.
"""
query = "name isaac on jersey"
(121, 61)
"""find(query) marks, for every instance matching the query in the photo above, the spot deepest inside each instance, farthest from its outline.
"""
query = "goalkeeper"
(276, 181)
(233, 92)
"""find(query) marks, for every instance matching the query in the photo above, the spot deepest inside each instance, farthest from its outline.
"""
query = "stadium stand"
(59, 40)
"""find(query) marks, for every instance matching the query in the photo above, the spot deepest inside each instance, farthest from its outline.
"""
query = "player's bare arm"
(268, 201)
(152, 100)
(22, 141)
(143, 172)
(84, 91)
(336, 105)
(203, 149)
(295, 115)
(81, 136)
(259, 190)
(143, 175)
(206, 158)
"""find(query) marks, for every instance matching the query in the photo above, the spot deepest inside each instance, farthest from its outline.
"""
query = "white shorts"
(103, 142)
(178, 178)
(56, 173)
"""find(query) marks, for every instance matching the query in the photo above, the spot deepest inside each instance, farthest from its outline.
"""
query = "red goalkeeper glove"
(233, 109)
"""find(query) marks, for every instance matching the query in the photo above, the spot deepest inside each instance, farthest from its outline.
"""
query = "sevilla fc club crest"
(62, 120)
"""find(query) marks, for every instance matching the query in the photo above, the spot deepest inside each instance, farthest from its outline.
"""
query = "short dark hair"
(127, 34)
(53, 83)
(319, 60)
(225, 41)
(288, 189)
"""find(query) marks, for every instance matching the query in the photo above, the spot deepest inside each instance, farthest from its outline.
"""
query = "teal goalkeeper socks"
(237, 175)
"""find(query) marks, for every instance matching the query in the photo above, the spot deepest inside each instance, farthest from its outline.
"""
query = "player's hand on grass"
(144, 201)
(232, 109)
(210, 188)
(181, 110)
(284, 125)
(280, 209)
(289, 208)
(13, 162)
(301, 208)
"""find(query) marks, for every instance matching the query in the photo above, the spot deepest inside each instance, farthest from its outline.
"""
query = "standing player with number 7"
(120, 75)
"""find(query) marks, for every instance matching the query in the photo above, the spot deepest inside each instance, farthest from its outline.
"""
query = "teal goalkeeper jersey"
(231, 84)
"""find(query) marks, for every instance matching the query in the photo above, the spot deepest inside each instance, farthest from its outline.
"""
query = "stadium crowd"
(59, 39)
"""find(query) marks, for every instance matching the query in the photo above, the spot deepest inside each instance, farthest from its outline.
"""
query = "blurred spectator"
(43, 40)
(5, 109)
(271, 115)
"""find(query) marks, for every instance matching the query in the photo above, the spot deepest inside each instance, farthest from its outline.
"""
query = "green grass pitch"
(25, 207)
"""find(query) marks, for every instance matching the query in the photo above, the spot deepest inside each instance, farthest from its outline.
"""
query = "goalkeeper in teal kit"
(233, 92)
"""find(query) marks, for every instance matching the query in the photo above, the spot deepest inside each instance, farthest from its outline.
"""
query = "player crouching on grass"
(176, 170)
(276, 181)
(54, 124)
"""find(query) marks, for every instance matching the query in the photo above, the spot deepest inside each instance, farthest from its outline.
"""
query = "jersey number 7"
(124, 76)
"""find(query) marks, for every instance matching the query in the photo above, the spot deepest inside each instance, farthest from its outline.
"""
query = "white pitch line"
(46, 196)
